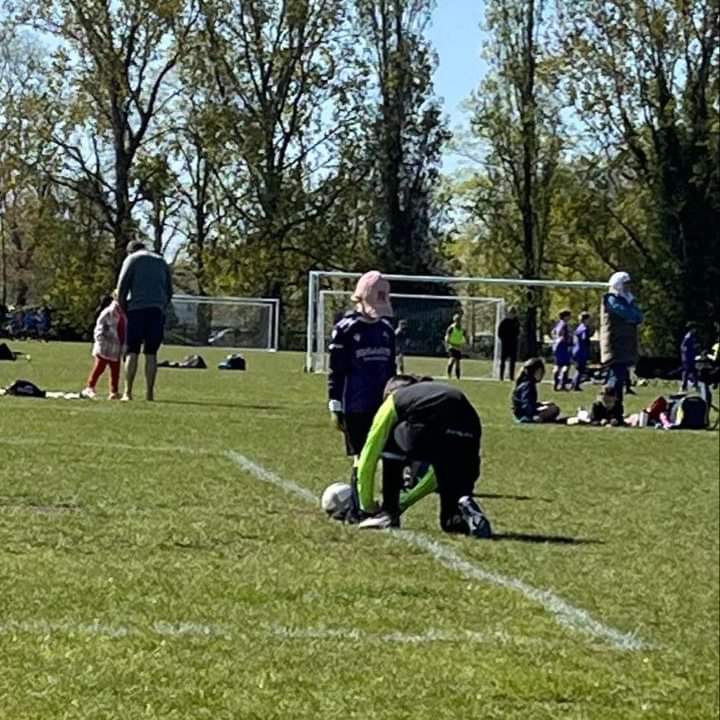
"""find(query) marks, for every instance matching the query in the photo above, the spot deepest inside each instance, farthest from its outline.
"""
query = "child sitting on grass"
(525, 404)
(109, 335)
(602, 411)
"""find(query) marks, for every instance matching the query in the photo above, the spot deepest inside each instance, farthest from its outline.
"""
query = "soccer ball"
(336, 500)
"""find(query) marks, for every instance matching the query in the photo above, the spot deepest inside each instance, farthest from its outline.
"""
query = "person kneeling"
(525, 404)
(429, 422)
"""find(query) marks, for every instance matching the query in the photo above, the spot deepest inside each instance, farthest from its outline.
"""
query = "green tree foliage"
(112, 65)
(516, 120)
(644, 77)
(406, 132)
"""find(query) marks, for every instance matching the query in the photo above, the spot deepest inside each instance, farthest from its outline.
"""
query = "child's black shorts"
(357, 427)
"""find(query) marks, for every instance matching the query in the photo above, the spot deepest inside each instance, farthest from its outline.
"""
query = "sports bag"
(689, 413)
(24, 388)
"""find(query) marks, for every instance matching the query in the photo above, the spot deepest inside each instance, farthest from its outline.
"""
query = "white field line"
(47, 442)
(399, 638)
(564, 612)
(179, 630)
(97, 629)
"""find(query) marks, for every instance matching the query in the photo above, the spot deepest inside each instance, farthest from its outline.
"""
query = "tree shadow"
(549, 539)
(496, 496)
(233, 406)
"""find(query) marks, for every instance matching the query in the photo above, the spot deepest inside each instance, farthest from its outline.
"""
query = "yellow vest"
(456, 337)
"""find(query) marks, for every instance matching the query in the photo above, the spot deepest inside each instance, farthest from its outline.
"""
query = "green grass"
(100, 542)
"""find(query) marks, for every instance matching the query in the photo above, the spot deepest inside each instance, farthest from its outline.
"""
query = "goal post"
(228, 322)
(426, 317)
(481, 292)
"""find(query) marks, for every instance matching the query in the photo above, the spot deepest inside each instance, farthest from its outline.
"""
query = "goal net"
(226, 322)
(425, 320)
(427, 303)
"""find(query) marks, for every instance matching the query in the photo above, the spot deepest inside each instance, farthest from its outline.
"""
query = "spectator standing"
(402, 338)
(688, 353)
(620, 319)
(508, 334)
(144, 293)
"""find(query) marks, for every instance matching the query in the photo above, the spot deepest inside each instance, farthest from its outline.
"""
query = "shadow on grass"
(233, 406)
(549, 539)
(495, 496)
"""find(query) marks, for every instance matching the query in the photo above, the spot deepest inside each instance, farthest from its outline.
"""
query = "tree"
(283, 106)
(517, 122)
(407, 132)
(26, 198)
(644, 78)
(113, 64)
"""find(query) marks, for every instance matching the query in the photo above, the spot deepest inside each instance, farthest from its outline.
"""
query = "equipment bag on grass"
(24, 388)
(689, 413)
(233, 362)
(6, 353)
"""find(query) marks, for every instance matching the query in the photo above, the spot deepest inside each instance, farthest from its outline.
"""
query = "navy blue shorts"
(145, 328)
(357, 427)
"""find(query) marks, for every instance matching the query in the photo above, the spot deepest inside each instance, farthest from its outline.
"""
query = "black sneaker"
(473, 515)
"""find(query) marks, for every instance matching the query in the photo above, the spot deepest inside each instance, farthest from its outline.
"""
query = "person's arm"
(124, 282)
(385, 420)
(629, 312)
(168, 283)
(447, 336)
(338, 369)
(427, 485)
(100, 327)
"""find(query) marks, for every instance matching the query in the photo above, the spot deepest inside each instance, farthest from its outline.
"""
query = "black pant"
(357, 427)
(454, 454)
(508, 353)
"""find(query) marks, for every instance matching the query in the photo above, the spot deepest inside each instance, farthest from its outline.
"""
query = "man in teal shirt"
(144, 292)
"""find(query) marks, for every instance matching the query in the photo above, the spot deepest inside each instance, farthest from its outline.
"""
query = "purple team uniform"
(561, 343)
(362, 360)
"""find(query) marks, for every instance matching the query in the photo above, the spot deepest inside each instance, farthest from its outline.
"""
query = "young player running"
(431, 422)
(362, 360)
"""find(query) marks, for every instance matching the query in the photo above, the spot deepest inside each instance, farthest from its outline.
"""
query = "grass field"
(157, 562)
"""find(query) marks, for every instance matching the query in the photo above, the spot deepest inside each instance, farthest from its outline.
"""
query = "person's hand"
(338, 420)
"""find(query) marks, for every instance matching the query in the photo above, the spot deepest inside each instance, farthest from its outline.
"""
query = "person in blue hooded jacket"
(620, 319)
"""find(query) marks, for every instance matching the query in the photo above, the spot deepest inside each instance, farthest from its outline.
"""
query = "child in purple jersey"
(562, 345)
(581, 348)
(362, 360)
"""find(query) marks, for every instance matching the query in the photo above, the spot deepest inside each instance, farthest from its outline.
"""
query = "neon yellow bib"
(457, 336)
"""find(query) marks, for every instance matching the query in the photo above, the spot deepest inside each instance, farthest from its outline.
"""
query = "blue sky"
(456, 35)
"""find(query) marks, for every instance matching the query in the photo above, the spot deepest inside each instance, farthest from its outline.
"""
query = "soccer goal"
(225, 322)
(426, 318)
(427, 304)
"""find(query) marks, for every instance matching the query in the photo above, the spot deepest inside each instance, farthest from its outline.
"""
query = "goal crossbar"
(314, 297)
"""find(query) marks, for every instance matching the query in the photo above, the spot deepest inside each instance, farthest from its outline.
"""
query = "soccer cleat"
(382, 521)
(89, 393)
(113, 396)
(477, 522)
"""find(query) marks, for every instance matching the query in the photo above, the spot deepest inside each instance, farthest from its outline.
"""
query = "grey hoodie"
(144, 282)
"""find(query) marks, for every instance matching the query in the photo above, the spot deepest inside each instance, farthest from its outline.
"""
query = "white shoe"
(125, 398)
(477, 522)
(89, 393)
(382, 521)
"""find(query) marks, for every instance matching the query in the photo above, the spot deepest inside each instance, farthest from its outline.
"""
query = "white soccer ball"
(336, 500)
